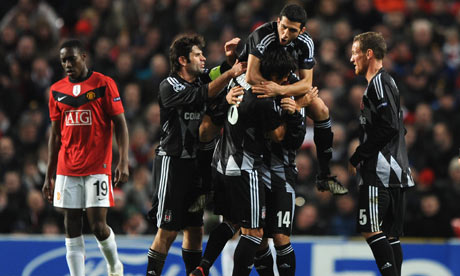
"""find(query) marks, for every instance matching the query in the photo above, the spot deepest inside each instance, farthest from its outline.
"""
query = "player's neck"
(83, 76)
(373, 69)
(186, 76)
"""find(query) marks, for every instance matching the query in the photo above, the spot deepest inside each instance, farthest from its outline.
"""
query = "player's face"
(73, 62)
(197, 61)
(288, 30)
(358, 58)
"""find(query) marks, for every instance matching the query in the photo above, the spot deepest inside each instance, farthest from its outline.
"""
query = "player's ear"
(369, 53)
(182, 60)
(303, 30)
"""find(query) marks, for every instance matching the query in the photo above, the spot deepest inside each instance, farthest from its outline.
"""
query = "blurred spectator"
(307, 221)
(343, 222)
(431, 221)
(7, 156)
(139, 192)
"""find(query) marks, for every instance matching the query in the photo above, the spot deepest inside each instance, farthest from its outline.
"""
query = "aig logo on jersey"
(78, 118)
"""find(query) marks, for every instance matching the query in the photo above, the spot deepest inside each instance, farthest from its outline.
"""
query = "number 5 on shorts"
(362, 217)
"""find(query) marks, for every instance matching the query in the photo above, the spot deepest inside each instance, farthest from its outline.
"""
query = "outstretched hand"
(238, 68)
(266, 89)
(289, 105)
(306, 99)
(234, 96)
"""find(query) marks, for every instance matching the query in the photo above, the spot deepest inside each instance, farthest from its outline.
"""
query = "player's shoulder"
(97, 76)
(264, 31)
(60, 84)
(380, 81)
(305, 39)
(172, 82)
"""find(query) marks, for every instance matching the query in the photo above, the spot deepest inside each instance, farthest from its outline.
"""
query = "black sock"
(285, 260)
(216, 243)
(383, 254)
(323, 140)
(245, 251)
(263, 262)
(397, 252)
(191, 259)
(155, 263)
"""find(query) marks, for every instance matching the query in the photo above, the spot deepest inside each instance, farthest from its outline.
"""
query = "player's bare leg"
(105, 239)
(158, 251)
(192, 248)
(383, 253)
(74, 242)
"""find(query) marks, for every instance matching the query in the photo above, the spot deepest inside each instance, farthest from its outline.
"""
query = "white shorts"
(79, 192)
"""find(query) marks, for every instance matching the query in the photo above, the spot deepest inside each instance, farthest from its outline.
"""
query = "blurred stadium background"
(129, 39)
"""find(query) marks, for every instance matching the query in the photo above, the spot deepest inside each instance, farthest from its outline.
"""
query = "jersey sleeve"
(55, 112)
(385, 121)
(307, 48)
(113, 102)
(173, 93)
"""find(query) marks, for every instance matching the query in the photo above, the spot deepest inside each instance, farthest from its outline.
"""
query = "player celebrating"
(82, 108)
(381, 157)
(289, 32)
(182, 101)
(239, 190)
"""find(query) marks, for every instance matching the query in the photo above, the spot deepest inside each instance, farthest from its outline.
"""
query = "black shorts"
(176, 187)
(240, 199)
(280, 202)
(381, 209)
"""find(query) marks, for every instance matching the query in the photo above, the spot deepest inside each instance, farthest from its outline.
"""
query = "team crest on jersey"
(78, 118)
(168, 216)
(91, 95)
(76, 90)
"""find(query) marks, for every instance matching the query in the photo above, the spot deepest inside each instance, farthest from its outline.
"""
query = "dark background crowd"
(129, 40)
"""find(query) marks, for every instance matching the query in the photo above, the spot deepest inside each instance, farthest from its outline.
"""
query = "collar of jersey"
(90, 72)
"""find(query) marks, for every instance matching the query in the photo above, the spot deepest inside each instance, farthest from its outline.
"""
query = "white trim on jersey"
(378, 86)
(306, 39)
(162, 189)
(254, 197)
(374, 209)
(263, 44)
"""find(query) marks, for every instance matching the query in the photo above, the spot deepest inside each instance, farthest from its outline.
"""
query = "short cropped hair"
(277, 62)
(73, 43)
(182, 46)
(373, 41)
(294, 13)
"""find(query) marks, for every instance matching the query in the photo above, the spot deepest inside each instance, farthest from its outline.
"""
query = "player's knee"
(319, 110)
(257, 232)
(100, 230)
(367, 235)
(166, 237)
(281, 239)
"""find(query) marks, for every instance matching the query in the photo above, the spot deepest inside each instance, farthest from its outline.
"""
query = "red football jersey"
(85, 110)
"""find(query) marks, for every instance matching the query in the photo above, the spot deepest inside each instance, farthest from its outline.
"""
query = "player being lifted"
(83, 107)
(182, 99)
(289, 32)
(239, 190)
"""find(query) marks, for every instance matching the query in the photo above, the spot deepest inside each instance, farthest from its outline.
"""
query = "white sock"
(75, 255)
(108, 248)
